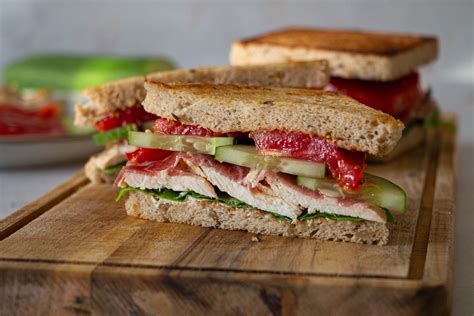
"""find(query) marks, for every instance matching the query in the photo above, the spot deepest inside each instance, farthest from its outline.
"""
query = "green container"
(73, 73)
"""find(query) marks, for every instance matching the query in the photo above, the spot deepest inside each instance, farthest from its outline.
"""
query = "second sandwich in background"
(115, 108)
(376, 69)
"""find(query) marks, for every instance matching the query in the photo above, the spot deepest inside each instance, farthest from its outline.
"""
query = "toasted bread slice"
(212, 214)
(229, 108)
(351, 54)
(120, 94)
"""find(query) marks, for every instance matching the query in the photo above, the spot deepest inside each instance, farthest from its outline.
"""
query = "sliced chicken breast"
(239, 190)
(264, 190)
(285, 186)
(163, 179)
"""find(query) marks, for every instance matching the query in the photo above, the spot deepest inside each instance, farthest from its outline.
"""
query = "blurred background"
(198, 33)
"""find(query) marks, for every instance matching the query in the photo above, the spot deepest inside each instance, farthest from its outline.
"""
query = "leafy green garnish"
(226, 199)
(281, 217)
(306, 216)
(165, 194)
(413, 123)
(174, 196)
(231, 201)
(390, 217)
(433, 119)
(113, 134)
(115, 168)
(124, 191)
(448, 125)
(333, 217)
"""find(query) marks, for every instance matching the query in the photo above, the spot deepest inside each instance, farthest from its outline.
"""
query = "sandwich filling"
(403, 98)
(112, 131)
(133, 115)
(292, 175)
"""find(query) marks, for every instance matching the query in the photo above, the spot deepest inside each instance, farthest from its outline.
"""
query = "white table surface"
(20, 186)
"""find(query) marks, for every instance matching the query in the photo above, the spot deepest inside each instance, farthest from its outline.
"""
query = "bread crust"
(107, 98)
(229, 108)
(113, 154)
(217, 215)
(351, 54)
(96, 175)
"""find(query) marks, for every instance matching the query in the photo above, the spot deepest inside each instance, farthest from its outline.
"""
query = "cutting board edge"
(36, 208)
(88, 290)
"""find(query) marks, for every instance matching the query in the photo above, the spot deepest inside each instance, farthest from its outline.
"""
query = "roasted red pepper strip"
(172, 127)
(167, 127)
(133, 115)
(344, 165)
(397, 98)
(147, 154)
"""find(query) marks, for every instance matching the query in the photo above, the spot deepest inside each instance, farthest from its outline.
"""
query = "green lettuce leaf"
(118, 133)
(281, 217)
(333, 217)
(165, 194)
(115, 168)
(231, 201)
(390, 217)
(228, 200)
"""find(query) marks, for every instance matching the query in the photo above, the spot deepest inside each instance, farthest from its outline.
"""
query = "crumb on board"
(255, 238)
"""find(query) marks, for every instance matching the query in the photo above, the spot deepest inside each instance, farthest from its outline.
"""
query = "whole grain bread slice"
(217, 215)
(229, 108)
(107, 98)
(351, 54)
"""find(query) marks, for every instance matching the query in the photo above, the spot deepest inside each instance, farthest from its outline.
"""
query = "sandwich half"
(115, 108)
(377, 69)
(278, 161)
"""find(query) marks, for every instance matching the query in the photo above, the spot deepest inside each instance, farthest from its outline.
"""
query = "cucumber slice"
(113, 134)
(376, 190)
(247, 156)
(200, 144)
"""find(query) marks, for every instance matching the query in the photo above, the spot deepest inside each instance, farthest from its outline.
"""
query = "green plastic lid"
(68, 72)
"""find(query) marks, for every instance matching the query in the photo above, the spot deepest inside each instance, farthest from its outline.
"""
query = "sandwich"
(377, 69)
(115, 108)
(274, 161)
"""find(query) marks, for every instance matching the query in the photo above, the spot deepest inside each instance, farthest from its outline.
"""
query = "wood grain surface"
(76, 249)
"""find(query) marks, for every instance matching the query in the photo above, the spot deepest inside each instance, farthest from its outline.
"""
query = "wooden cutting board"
(74, 251)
